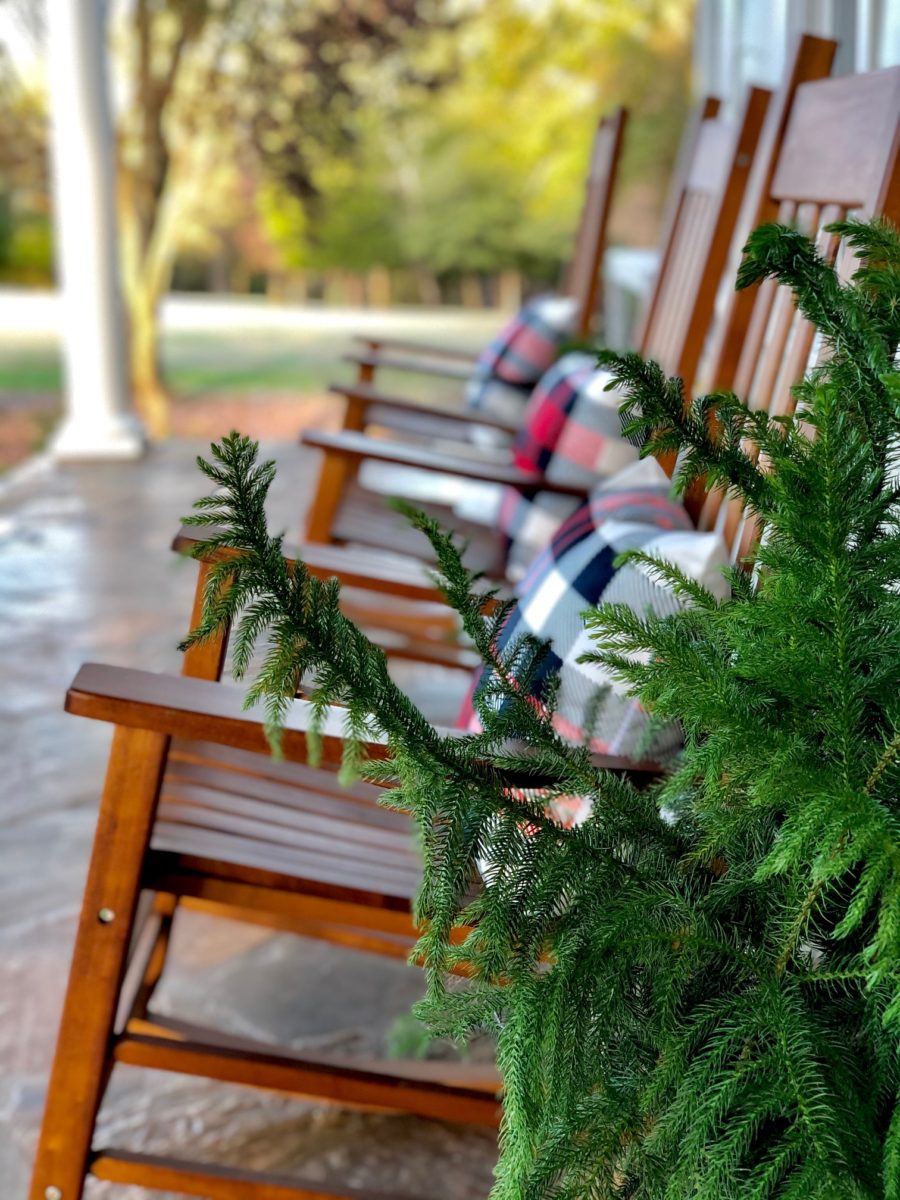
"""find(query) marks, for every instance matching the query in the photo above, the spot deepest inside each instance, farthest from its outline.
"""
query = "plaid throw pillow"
(573, 434)
(572, 430)
(485, 393)
(576, 572)
(519, 355)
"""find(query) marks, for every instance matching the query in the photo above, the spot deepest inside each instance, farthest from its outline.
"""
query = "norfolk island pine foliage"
(696, 992)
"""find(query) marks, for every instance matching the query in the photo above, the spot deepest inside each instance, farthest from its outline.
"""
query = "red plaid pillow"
(548, 409)
(572, 434)
(522, 351)
(572, 430)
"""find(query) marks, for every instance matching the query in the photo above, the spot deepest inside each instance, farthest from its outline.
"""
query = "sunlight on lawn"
(269, 383)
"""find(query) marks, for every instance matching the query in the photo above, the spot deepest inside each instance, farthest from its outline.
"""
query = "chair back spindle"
(839, 156)
(583, 276)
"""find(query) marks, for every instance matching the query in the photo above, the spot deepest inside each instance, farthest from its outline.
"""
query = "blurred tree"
(285, 221)
(502, 149)
(321, 74)
(170, 57)
(326, 100)
(208, 82)
(444, 137)
(25, 241)
(469, 138)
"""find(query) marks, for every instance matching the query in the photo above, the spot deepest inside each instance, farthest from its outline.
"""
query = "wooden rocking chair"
(332, 864)
(713, 209)
(717, 158)
(582, 284)
(749, 351)
(706, 199)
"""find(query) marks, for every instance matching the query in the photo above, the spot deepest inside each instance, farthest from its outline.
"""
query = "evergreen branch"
(709, 432)
(696, 992)
(888, 757)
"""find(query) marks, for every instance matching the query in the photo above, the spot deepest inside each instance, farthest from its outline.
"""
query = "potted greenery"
(696, 992)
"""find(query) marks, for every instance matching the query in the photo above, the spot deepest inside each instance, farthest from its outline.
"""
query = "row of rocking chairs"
(195, 813)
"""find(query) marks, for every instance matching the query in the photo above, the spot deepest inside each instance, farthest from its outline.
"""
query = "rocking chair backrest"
(840, 154)
(583, 276)
(724, 167)
(709, 187)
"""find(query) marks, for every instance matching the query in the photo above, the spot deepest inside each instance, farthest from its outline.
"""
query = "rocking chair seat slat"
(418, 364)
(315, 870)
(385, 407)
(258, 820)
(295, 787)
(398, 574)
(374, 344)
(215, 812)
(164, 1173)
(364, 518)
(490, 468)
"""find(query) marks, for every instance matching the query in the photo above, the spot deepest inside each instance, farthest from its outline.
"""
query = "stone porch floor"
(85, 574)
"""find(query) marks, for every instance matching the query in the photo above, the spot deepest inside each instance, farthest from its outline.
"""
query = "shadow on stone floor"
(85, 574)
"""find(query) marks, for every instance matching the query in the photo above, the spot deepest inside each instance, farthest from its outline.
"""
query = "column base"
(114, 440)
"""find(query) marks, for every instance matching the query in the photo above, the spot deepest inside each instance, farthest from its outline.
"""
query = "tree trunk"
(217, 271)
(148, 258)
(428, 286)
(334, 286)
(297, 287)
(150, 394)
(378, 287)
(472, 292)
(354, 289)
(509, 289)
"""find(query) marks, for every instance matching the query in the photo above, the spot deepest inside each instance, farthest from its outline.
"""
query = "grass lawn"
(200, 364)
(260, 381)
(30, 369)
(193, 365)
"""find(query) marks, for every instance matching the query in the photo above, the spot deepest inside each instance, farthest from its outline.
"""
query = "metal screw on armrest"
(53, 1193)
(106, 916)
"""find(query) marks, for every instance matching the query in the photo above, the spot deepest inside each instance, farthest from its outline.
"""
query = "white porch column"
(99, 422)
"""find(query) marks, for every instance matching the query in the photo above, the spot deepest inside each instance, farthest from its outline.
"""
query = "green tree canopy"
(470, 134)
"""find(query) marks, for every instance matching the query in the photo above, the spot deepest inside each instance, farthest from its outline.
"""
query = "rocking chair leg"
(335, 473)
(83, 1056)
(135, 1001)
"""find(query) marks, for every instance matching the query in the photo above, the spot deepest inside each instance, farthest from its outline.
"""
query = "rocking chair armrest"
(201, 710)
(374, 345)
(356, 567)
(366, 394)
(207, 711)
(414, 366)
(358, 446)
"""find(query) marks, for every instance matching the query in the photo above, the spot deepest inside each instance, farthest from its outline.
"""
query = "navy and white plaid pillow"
(572, 433)
(577, 571)
(485, 393)
(519, 355)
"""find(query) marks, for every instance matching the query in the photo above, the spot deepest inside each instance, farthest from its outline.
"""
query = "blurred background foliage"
(353, 146)
(353, 151)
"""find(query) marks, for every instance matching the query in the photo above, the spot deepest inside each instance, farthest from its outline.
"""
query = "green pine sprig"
(696, 993)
